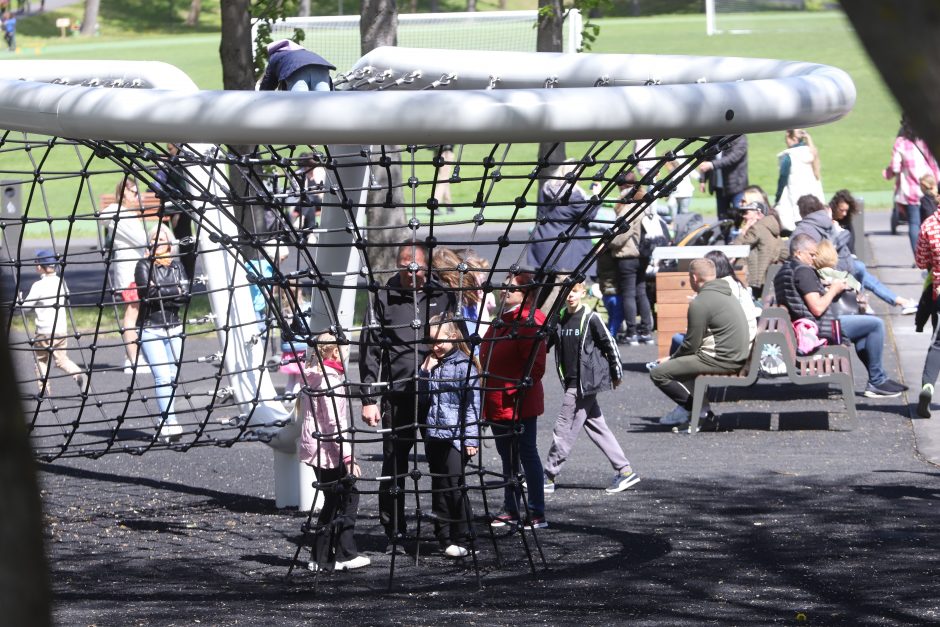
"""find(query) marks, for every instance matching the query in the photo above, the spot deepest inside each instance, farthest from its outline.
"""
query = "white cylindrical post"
(286, 479)
(710, 17)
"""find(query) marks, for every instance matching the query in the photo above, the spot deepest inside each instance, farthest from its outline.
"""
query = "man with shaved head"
(716, 341)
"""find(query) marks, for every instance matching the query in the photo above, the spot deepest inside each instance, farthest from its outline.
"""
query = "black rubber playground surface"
(750, 526)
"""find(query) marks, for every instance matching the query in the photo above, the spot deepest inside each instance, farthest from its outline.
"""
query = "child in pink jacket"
(326, 445)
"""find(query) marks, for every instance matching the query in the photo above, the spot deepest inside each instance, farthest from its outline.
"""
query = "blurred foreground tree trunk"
(90, 18)
(378, 26)
(24, 576)
(901, 39)
(195, 8)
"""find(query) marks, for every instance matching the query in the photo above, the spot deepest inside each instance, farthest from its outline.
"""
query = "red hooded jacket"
(504, 355)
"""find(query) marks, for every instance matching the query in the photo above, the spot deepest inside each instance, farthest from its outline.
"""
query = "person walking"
(163, 288)
(910, 160)
(927, 257)
(47, 298)
(588, 363)
(799, 176)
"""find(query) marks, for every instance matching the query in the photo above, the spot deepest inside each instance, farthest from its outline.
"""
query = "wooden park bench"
(829, 365)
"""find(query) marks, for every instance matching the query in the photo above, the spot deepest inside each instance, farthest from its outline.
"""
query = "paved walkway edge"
(892, 261)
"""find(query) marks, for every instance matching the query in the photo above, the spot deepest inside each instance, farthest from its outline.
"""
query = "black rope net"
(294, 281)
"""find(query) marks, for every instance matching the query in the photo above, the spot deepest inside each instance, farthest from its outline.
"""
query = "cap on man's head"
(45, 257)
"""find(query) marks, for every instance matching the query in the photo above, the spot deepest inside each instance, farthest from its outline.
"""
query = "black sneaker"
(645, 339)
(923, 401)
(886, 389)
(396, 545)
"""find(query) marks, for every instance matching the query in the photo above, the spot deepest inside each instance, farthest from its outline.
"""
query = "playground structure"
(73, 130)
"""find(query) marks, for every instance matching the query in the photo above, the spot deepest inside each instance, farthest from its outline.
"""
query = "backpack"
(653, 232)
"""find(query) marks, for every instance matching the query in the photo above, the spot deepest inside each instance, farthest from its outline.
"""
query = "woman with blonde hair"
(799, 176)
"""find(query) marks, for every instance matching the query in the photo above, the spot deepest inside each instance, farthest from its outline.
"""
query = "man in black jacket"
(391, 347)
(728, 177)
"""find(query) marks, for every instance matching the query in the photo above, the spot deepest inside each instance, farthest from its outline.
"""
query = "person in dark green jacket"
(716, 341)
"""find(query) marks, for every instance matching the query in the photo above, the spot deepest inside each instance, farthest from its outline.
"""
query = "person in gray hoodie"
(817, 223)
(716, 341)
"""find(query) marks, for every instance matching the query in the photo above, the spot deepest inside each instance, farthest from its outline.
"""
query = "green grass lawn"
(853, 151)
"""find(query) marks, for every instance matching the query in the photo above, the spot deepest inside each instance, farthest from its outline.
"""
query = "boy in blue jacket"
(588, 362)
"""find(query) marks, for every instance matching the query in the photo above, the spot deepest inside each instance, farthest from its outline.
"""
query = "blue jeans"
(871, 283)
(614, 313)
(913, 224)
(675, 343)
(513, 450)
(868, 335)
(309, 78)
(163, 348)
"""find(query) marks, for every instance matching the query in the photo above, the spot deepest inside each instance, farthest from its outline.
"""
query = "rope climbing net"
(284, 241)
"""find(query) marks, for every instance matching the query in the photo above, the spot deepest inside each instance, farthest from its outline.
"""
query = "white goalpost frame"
(710, 28)
(284, 28)
(494, 97)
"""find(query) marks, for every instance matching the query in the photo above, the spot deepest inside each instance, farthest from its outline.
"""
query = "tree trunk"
(550, 28)
(503, 5)
(549, 39)
(471, 5)
(238, 73)
(378, 24)
(304, 9)
(90, 19)
(235, 47)
(24, 578)
(194, 9)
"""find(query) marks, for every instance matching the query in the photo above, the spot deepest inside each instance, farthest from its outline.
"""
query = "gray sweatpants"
(576, 413)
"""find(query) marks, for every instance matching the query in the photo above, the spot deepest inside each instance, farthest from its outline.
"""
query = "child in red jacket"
(513, 358)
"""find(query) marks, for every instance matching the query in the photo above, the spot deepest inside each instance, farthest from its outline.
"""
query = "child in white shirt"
(47, 298)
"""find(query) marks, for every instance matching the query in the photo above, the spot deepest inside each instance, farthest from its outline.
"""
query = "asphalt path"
(783, 517)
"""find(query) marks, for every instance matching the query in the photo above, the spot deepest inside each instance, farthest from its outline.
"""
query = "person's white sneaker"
(360, 561)
(171, 432)
(455, 550)
(679, 415)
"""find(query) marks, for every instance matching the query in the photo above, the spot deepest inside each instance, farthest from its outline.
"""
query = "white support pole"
(231, 303)
(575, 26)
(710, 17)
(337, 260)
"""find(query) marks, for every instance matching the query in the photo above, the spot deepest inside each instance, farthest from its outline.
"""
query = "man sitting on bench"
(716, 342)
(804, 295)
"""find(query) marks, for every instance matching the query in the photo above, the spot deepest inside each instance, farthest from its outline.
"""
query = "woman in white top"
(799, 176)
(127, 243)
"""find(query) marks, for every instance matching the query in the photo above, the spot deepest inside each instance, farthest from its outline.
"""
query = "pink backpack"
(807, 336)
